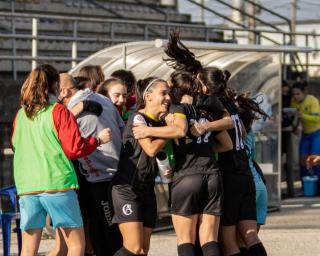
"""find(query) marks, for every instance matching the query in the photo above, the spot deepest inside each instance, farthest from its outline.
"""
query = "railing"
(294, 57)
(271, 12)
(111, 37)
(248, 15)
(155, 8)
(244, 27)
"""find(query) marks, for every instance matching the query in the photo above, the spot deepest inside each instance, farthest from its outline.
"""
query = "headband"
(149, 86)
(201, 82)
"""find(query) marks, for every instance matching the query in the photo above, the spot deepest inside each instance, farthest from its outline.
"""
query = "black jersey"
(235, 160)
(193, 155)
(135, 166)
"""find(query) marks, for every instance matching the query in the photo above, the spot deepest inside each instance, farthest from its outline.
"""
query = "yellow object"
(310, 110)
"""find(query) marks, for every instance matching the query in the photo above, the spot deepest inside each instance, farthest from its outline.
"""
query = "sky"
(307, 9)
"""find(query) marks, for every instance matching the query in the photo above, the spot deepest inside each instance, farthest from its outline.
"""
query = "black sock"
(186, 249)
(244, 251)
(124, 252)
(257, 250)
(211, 249)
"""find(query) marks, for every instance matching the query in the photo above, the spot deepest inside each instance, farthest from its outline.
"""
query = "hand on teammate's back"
(197, 129)
(105, 135)
(169, 118)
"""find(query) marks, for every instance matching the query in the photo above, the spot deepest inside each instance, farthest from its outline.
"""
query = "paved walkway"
(293, 231)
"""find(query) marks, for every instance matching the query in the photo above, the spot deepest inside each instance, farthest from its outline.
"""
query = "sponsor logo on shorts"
(107, 212)
(126, 209)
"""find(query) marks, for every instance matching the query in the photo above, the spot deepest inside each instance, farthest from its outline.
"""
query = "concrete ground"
(293, 231)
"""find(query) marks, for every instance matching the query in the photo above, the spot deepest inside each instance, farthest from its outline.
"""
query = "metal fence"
(151, 30)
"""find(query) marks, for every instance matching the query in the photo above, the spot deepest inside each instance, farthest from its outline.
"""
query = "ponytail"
(249, 110)
(35, 90)
(216, 80)
(183, 61)
(180, 58)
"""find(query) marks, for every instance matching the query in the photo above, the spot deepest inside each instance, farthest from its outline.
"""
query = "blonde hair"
(35, 90)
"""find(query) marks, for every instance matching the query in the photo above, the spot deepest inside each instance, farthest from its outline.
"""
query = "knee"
(76, 249)
(230, 245)
(229, 240)
(138, 250)
(146, 249)
(27, 252)
(251, 237)
(59, 249)
(57, 252)
(186, 237)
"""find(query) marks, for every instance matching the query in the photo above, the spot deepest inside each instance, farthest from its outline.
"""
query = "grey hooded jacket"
(102, 164)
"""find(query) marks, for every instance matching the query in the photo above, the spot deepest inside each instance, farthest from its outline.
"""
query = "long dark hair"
(249, 110)
(34, 96)
(81, 82)
(183, 84)
(142, 86)
(215, 80)
(181, 59)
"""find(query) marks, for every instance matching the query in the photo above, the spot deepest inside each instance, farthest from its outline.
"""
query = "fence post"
(284, 54)
(14, 49)
(257, 37)
(112, 32)
(124, 57)
(233, 36)
(206, 34)
(146, 32)
(74, 50)
(34, 53)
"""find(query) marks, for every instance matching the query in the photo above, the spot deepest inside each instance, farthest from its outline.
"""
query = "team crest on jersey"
(126, 209)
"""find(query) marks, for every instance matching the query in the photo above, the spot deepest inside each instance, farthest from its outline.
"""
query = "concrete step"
(112, 10)
(66, 27)
(46, 47)
(50, 46)
(24, 66)
(90, 29)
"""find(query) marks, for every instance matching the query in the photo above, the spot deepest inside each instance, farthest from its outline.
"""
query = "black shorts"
(196, 194)
(84, 198)
(239, 199)
(132, 205)
(96, 207)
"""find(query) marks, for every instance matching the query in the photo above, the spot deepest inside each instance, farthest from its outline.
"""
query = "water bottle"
(168, 148)
(163, 165)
